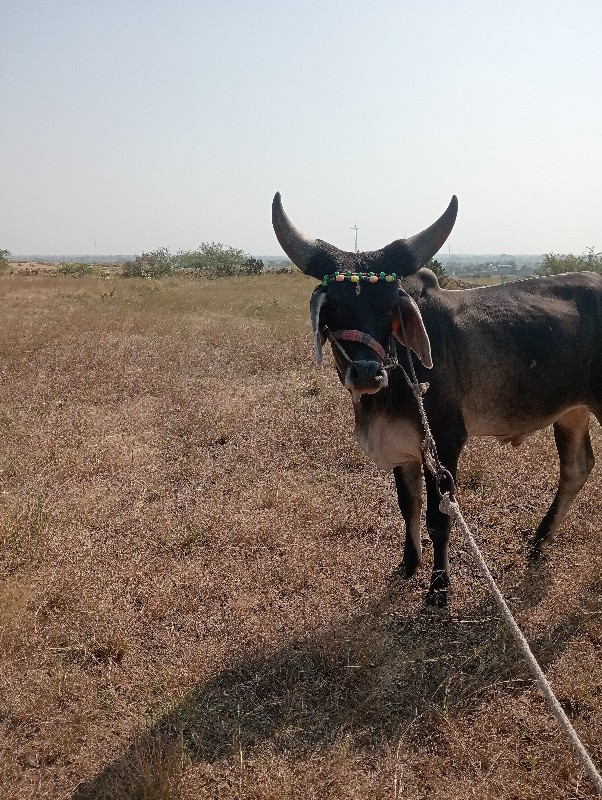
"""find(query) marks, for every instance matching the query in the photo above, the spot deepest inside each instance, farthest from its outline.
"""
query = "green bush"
(4, 254)
(75, 270)
(156, 264)
(210, 260)
(439, 270)
(253, 266)
(554, 264)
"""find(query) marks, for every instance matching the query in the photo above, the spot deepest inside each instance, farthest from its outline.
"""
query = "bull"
(502, 361)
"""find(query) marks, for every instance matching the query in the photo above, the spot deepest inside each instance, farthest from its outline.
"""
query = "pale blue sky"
(143, 124)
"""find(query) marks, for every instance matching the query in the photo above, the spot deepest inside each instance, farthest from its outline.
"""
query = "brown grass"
(195, 598)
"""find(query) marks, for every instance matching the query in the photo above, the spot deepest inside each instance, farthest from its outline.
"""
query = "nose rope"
(389, 360)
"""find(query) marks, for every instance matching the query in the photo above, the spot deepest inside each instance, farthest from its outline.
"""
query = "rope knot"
(420, 389)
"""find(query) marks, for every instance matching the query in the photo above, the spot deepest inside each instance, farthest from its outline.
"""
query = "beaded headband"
(356, 277)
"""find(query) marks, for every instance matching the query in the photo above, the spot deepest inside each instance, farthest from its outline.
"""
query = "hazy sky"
(131, 124)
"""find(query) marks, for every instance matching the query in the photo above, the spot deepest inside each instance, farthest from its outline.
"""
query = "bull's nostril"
(366, 376)
(365, 371)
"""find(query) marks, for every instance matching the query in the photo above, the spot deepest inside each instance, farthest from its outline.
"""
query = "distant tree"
(554, 264)
(439, 270)
(212, 259)
(4, 254)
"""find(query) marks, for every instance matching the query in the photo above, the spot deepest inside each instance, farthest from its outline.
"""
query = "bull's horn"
(429, 241)
(298, 247)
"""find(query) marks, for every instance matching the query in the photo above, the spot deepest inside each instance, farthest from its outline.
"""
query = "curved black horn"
(298, 247)
(429, 241)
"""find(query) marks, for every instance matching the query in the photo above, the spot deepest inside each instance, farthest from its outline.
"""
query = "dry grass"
(195, 598)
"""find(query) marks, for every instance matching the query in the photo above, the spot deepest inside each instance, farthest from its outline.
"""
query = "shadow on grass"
(371, 678)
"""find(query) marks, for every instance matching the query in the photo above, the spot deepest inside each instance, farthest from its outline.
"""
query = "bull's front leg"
(408, 482)
(439, 524)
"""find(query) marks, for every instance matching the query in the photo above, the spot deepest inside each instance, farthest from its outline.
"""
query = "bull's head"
(360, 303)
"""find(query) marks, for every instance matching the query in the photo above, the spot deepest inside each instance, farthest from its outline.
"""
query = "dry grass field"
(195, 593)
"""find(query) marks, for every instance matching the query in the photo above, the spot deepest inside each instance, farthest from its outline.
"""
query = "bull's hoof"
(439, 589)
(537, 549)
(544, 536)
(437, 598)
(406, 569)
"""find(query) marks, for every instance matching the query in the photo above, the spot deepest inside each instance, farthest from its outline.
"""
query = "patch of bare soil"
(196, 596)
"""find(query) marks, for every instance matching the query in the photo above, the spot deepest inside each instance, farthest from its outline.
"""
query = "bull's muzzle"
(365, 377)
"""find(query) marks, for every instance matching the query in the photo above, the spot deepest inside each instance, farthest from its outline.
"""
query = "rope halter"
(389, 360)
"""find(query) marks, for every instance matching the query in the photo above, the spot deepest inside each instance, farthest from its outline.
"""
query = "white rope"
(451, 508)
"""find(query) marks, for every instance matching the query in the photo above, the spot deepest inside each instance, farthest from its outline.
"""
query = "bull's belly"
(389, 442)
(511, 431)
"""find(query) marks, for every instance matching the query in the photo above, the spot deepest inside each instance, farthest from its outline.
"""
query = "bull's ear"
(409, 329)
(316, 304)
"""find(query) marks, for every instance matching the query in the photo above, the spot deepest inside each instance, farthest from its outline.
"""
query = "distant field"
(29, 268)
(195, 594)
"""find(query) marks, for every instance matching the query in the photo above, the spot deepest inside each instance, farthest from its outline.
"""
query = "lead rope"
(449, 506)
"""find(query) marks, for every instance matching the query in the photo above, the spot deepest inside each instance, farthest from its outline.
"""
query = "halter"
(389, 360)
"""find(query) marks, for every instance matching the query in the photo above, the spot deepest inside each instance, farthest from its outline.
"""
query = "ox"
(501, 361)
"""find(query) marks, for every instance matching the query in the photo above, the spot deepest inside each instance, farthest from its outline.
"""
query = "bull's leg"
(408, 482)
(571, 432)
(439, 525)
